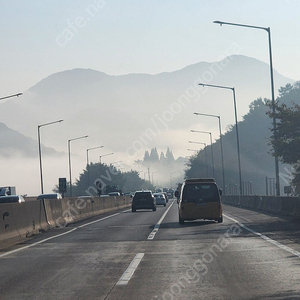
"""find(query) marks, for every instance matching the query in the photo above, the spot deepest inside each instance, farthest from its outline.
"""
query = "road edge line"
(264, 237)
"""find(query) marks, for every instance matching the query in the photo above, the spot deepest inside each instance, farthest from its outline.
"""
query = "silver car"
(50, 196)
(160, 199)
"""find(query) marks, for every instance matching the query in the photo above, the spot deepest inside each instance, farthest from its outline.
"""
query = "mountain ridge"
(116, 108)
(89, 71)
(14, 143)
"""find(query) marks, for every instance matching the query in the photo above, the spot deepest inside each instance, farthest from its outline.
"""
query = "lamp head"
(218, 22)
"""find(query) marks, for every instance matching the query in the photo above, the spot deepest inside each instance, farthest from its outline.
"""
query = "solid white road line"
(156, 227)
(124, 279)
(56, 236)
(277, 244)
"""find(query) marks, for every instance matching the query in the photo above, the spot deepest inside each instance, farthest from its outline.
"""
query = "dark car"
(143, 200)
(12, 199)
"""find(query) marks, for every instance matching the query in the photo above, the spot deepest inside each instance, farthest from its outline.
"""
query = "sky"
(39, 38)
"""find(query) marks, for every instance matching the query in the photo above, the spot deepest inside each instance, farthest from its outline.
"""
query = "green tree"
(162, 157)
(95, 179)
(146, 156)
(102, 178)
(169, 156)
(286, 140)
(256, 161)
(154, 155)
(133, 182)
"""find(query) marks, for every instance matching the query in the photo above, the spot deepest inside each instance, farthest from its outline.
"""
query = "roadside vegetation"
(257, 145)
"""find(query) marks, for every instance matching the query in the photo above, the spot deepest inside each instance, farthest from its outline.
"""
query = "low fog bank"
(24, 174)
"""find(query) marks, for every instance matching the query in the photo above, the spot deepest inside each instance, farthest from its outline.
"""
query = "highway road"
(148, 255)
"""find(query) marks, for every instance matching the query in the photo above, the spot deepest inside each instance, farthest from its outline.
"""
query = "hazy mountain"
(13, 143)
(118, 111)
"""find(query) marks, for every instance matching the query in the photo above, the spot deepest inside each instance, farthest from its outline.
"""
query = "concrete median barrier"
(75, 209)
(21, 219)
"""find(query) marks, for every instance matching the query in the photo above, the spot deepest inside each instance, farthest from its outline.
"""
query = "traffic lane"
(85, 263)
(171, 229)
(245, 273)
(145, 220)
(165, 260)
(211, 261)
(126, 226)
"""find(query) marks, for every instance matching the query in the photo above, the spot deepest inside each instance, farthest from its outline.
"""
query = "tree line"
(258, 144)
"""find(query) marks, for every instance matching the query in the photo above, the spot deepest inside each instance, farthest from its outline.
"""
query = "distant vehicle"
(49, 196)
(7, 191)
(160, 199)
(131, 194)
(166, 196)
(170, 193)
(103, 196)
(113, 188)
(143, 200)
(200, 199)
(12, 199)
(84, 197)
(114, 194)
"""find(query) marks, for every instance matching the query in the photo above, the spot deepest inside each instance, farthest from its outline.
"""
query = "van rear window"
(200, 193)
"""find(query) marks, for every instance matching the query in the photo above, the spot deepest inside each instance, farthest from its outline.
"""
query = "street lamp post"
(15, 95)
(87, 161)
(152, 176)
(40, 151)
(211, 148)
(171, 178)
(69, 150)
(105, 155)
(221, 144)
(236, 129)
(205, 153)
(268, 29)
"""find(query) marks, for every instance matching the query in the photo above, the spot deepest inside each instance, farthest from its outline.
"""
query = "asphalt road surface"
(148, 255)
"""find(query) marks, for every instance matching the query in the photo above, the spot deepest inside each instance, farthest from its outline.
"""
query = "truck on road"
(7, 191)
